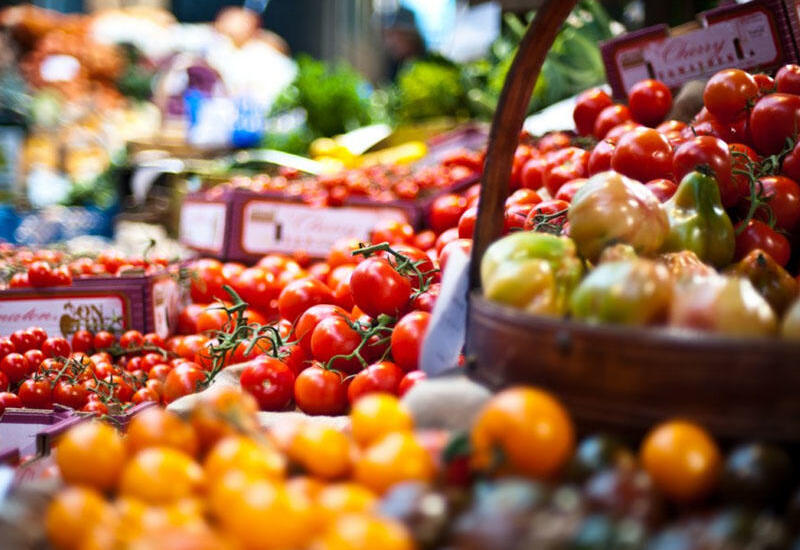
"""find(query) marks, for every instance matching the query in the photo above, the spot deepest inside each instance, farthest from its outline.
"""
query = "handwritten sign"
(61, 315)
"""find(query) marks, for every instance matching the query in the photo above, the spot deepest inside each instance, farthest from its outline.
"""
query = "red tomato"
(783, 195)
(523, 196)
(6, 347)
(331, 337)
(649, 101)
(131, 339)
(712, 153)
(466, 224)
(95, 406)
(159, 372)
(299, 296)
(426, 300)
(70, 395)
(56, 347)
(103, 340)
(82, 340)
(383, 377)
(465, 245)
(670, 127)
(320, 391)
(212, 319)
(445, 211)
(9, 400)
(608, 118)
(23, 340)
(547, 208)
(791, 164)
(4, 382)
(392, 231)
(741, 156)
(787, 80)
(184, 379)
(34, 357)
(207, 281)
(407, 339)
(19, 280)
(587, 108)
(36, 394)
(425, 239)
(270, 381)
(643, 154)
(774, 119)
(308, 321)
(422, 261)
(573, 167)
(294, 357)
(663, 189)
(600, 157)
(553, 141)
(568, 190)
(145, 394)
(258, 287)
(615, 133)
(410, 380)
(757, 234)
(319, 271)
(766, 84)
(40, 274)
(445, 238)
(378, 289)
(514, 217)
(729, 93)
(15, 367)
(153, 339)
(532, 174)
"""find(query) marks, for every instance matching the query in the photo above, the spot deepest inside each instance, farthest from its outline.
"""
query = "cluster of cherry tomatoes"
(24, 267)
(381, 183)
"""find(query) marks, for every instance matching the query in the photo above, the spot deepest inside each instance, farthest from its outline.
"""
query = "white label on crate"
(283, 227)
(166, 295)
(203, 225)
(746, 41)
(61, 315)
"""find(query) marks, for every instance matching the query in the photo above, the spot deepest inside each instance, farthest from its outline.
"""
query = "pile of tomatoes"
(23, 267)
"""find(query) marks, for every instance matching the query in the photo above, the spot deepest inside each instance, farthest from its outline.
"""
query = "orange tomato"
(376, 415)
(224, 411)
(362, 532)
(323, 451)
(394, 458)
(344, 498)
(156, 427)
(160, 475)
(91, 454)
(72, 514)
(242, 453)
(682, 459)
(530, 428)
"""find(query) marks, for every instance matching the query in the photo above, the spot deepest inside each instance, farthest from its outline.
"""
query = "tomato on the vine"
(729, 93)
(787, 79)
(643, 154)
(649, 101)
(774, 120)
(184, 379)
(82, 340)
(707, 152)
(320, 391)
(378, 377)
(207, 281)
(783, 199)
(103, 340)
(298, 296)
(378, 288)
(410, 380)
(131, 339)
(70, 395)
(588, 107)
(308, 321)
(757, 234)
(36, 394)
(333, 336)
(270, 381)
(407, 339)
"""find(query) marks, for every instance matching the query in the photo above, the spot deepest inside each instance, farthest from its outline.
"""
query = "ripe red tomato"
(34, 357)
(207, 281)
(766, 84)
(643, 154)
(331, 337)
(568, 190)
(609, 117)
(649, 101)
(212, 319)
(15, 367)
(381, 377)
(308, 321)
(4, 382)
(258, 287)
(23, 340)
(465, 245)
(546, 208)
(532, 173)
(663, 189)
(422, 261)
(572, 165)
(95, 405)
(787, 80)
(426, 300)
(19, 280)
(145, 394)
(514, 217)
(40, 274)
(294, 357)
(466, 223)
(615, 133)
(445, 211)
(407, 339)
(791, 164)
(56, 347)
(131, 339)
(741, 156)
(9, 400)
(103, 340)
(320, 391)
(757, 234)
(70, 395)
(774, 119)
(82, 340)
(270, 381)
(62, 276)
(36, 394)
(523, 196)
(712, 153)
(159, 372)
(378, 289)
(445, 238)
(729, 93)
(184, 379)
(552, 141)
(230, 271)
(6, 347)
(300, 295)
(587, 108)
(783, 195)
(600, 157)
(392, 231)
(410, 380)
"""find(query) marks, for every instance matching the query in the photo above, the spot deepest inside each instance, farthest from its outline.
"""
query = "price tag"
(203, 225)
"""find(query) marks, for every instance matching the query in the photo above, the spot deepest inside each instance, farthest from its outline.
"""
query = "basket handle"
(507, 124)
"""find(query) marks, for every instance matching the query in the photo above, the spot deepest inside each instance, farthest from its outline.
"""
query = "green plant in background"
(429, 88)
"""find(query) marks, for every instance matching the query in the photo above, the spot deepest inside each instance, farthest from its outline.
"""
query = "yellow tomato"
(531, 430)
(376, 415)
(157, 427)
(72, 514)
(362, 532)
(160, 475)
(91, 454)
(309, 487)
(682, 459)
(242, 453)
(344, 498)
(394, 458)
(323, 451)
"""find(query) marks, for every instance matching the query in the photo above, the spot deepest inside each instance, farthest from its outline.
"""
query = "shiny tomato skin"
(318, 391)
(131, 339)
(8, 400)
(532, 174)
(382, 377)
(34, 357)
(207, 281)
(407, 338)
(331, 337)
(465, 245)
(649, 101)
(15, 367)
(298, 296)
(426, 300)
(766, 84)
(103, 340)
(392, 232)
(36, 394)
(791, 164)
(308, 321)
(643, 154)
(40, 274)
(741, 156)
(774, 119)
(23, 340)
(184, 379)
(445, 211)
(270, 381)
(567, 191)
(410, 380)
(729, 93)
(600, 157)
(82, 340)
(466, 223)
(588, 107)
(783, 196)
(609, 117)
(258, 287)
(546, 208)
(378, 289)
(787, 79)
(757, 234)
(70, 395)
(662, 188)
(712, 153)
(56, 347)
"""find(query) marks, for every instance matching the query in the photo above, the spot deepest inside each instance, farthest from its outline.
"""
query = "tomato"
(62, 276)
(189, 346)
(791, 164)
(392, 232)
(342, 252)
(787, 80)
(122, 389)
(207, 281)
(95, 406)
(649, 101)
(445, 211)
(156, 427)
(547, 208)
(729, 93)
(15, 367)
(553, 141)
(230, 271)
(663, 189)
(36, 394)
(609, 117)
(19, 280)
(307, 322)
(378, 289)
(425, 239)
(160, 476)
(464, 245)
(529, 426)
(407, 339)
(82, 340)
(72, 514)
(445, 238)
(587, 108)
(514, 217)
(145, 394)
(572, 167)
(6, 347)
(783, 195)
(615, 133)
(410, 380)
(299, 296)
(323, 451)
(187, 318)
(22, 340)
(270, 381)
(741, 156)
(643, 154)
(426, 300)
(393, 459)
(258, 287)
(69, 394)
(774, 119)
(757, 234)
(568, 190)
(4, 383)
(103, 339)
(681, 459)
(379, 377)
(521, 156)
(766, 84)
(40, 274)
(184, 379)
(466, 224)
(334, 336)
(672, 129)
(532, 173)
(376, 415)
(711, 153)
(9, 400)
(131, 339)
(320, 391)
(600, 157)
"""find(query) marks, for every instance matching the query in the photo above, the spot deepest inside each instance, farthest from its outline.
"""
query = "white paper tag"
(60, 315)
(447, 327)
(202, 225)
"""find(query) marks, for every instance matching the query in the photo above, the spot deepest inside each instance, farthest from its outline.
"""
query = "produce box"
(762, 34)
(148, 303)
(27, 432)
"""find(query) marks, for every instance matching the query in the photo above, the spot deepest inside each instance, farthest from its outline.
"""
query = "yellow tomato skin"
(376, 415)
(72, 514)
(91, 454)
(394, 458)
(682, 459)
(157, 427)
(323, 451)
(243, 453)
(345, 498)
(161, 475)
(362, 532)
(530, 428)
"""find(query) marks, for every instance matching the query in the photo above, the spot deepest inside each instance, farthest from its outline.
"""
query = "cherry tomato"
(587, 108)
(445, 211)
(609, 117)
(379, 377)
(294, 357)
(464, 245)
(15, 367)
(207, 281)
(787, 80)
(34, 357)
(299, 296)
(643, 154)
(757, 234)
(532, 174)
(741, 156)
(70, 395)
(184, 379)
(600, 157)
(378, 289)
(766, 84)
(131, 339)
(571, 168)
(56, 347)
(711, 153)
(6, 347)
(774, 119)
(82, 340)
(407, 339)
(95, 406)
(649, 101)
(270, 381)
(553, 141)
(568, 190)
(320, 391)
(159, 372)
(663, 189)
(36, 394)
(331, 337)
(615, 133)
(410, 380)
(10, 400)
(40, 274)
(392, 232)
(729, 93)
(466, 223)
(307, 322)
(783, 196)
(791, 164)
(145, 394)
(103, 340)
(547, 208)
(258, 287)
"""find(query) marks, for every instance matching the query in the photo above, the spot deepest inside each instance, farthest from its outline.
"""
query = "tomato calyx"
(550, 223)
(404, 265)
